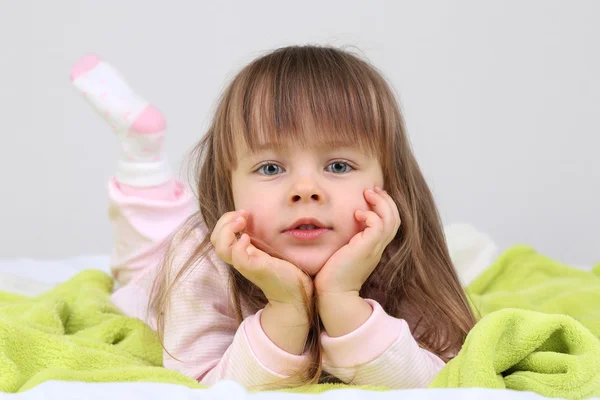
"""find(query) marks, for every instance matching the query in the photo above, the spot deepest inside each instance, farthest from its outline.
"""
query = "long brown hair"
(297, 92)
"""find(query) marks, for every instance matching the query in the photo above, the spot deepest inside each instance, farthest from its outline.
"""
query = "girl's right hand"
(280, 281)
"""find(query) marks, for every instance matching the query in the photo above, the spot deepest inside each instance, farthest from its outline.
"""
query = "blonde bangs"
(299, 99)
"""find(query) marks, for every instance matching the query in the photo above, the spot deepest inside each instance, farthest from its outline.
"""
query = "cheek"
(345, 214)
(260, 218)
(257, 201)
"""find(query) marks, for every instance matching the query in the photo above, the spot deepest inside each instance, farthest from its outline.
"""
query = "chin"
(312, 270)
(311, 263)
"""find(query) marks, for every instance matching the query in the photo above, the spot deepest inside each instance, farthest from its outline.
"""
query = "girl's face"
(301, 200)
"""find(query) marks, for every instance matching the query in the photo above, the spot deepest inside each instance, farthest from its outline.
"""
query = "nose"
(306, 190)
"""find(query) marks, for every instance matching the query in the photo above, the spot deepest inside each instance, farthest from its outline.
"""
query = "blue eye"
(269, 169)
(339, 167)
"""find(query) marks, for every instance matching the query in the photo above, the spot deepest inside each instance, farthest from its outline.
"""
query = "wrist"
(329, 298)
(286, 325)
(342, 313)
(292, 312)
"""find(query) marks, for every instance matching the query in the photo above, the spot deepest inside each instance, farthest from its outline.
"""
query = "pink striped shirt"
(201, 332)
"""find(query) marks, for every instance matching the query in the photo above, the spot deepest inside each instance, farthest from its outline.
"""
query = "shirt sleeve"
(203, 340)
(381, 352)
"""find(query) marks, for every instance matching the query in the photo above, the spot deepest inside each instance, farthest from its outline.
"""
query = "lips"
(307, 229)
(306, 224)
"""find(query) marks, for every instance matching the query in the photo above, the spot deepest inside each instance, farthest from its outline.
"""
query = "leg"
(139, 126)
(147, 204)
(143, 220)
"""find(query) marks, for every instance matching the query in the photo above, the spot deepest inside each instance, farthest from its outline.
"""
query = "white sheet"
(31, 276)
(233, 391)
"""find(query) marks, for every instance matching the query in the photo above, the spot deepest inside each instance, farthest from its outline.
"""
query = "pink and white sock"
(139, 125)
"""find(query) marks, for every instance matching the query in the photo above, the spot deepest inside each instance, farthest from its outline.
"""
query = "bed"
(471, 251)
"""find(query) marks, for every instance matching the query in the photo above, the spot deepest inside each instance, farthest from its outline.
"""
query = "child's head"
(298, 136)
(301, 132)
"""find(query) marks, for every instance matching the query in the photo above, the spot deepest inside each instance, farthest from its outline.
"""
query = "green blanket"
(540, 331)
(73, 333)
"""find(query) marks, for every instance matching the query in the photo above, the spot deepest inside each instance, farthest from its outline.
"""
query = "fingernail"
(370, 191)
(377, 188)
(239, 219)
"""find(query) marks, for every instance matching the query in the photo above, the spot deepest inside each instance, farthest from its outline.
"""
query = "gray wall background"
(501, 100)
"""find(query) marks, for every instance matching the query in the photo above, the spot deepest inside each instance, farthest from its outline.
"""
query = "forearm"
(286, 325)
(379, 352)
(342, 313)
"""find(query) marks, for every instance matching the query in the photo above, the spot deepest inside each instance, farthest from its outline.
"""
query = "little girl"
(317, 253)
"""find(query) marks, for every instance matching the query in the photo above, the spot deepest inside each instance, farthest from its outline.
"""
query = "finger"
(240, 256)
(225, 219)
(382, 207)
(377, 235)
(250, 261)
(258, 258)
(374, 230)
(394, 207)
(227, 237)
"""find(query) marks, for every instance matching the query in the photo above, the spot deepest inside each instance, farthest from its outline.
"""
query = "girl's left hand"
(349, 267)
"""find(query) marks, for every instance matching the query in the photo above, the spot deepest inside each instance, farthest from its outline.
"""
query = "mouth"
(306, 229)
